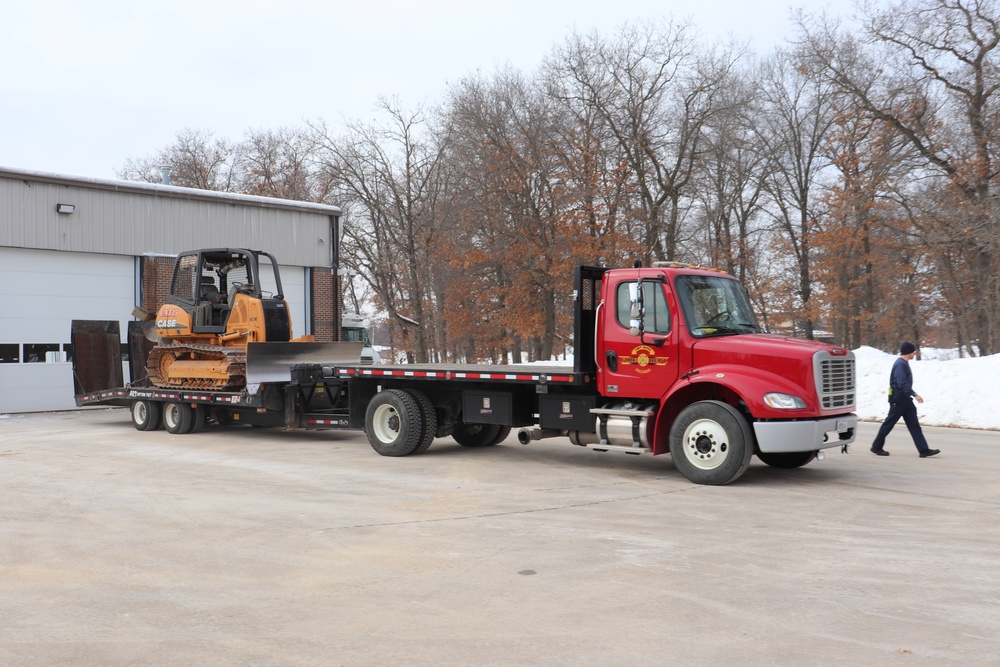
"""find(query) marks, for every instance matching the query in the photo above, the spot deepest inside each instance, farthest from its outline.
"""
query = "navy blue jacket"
(901, 379)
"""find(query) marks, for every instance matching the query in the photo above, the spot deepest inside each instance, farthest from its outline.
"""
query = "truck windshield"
(355, 335)
(715, 306)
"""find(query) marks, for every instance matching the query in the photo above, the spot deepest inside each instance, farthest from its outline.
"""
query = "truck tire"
(222, 417)
(198, 415)
(179, 418)
(786, 460)
(477, 435)
(711, 443)
(500, 436)
(430, 422)
(146, 415)
(394, 423)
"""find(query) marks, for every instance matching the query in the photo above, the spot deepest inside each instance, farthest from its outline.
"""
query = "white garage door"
(41, 292)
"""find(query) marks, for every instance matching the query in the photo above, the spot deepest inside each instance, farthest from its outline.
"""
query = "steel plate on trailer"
(272, 362)
(97, 356)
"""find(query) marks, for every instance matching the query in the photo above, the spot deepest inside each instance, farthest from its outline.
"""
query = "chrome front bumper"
(807, 435)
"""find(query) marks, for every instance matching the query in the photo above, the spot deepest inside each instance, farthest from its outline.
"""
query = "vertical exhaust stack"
(165, 174)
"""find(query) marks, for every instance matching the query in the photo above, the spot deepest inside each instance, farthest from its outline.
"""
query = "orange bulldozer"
(222, 302)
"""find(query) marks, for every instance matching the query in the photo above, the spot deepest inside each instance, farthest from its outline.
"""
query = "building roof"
(170, 191)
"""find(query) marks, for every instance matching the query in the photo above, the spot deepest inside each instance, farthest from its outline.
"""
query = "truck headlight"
(784, 401)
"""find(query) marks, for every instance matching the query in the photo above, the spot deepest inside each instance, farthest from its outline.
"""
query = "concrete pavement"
(242, 546)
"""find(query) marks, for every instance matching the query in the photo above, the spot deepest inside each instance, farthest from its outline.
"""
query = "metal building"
(89, 249)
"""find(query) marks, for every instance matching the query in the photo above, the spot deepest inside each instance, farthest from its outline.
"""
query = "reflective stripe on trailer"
(450, 375)
(102, 395)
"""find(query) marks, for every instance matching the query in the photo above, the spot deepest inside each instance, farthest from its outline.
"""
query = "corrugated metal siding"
(160, 221)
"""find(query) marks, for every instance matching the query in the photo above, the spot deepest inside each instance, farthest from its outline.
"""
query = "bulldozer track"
(162, 357)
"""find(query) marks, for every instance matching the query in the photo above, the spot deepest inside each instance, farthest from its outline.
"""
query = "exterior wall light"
(65, 208)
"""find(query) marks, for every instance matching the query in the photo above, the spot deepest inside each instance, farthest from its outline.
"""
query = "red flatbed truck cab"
(682, 343)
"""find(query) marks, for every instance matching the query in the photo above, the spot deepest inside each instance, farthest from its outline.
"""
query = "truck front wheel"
(786, 460)
(711, 443)
(394, 423)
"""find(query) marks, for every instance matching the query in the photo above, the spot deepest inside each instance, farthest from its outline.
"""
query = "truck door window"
(657, 318)
(715, 306)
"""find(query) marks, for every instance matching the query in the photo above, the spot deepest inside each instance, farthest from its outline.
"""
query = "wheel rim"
(706, 444)
(385, 423)
(172, 416)
(139, 412)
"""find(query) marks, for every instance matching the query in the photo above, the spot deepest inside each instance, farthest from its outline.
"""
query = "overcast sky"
(85, 85)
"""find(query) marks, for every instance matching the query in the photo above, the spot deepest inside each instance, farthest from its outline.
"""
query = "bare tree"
(731, 178)
(280, 163)
(931, 72)
(388, 178)
(797, 113)
(195, 160)
(654, 95)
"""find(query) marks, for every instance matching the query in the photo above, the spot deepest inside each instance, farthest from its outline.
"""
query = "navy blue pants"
(904, 408)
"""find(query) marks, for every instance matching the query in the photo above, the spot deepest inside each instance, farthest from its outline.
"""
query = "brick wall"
(326, 306)
(156, 274)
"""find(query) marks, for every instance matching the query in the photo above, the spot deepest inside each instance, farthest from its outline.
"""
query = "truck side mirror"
(637, 310)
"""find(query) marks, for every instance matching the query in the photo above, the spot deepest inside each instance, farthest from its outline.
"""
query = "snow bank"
(956, 392)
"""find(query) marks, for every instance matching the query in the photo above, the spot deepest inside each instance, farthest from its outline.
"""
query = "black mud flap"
(97, 357)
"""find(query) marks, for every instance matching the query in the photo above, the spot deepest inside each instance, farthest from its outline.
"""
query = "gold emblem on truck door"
(644, 357)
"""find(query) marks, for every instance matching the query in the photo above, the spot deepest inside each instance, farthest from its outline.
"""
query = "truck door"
(637, 366)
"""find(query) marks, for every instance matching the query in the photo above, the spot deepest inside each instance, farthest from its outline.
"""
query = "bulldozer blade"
(149, 331)
(272, 362)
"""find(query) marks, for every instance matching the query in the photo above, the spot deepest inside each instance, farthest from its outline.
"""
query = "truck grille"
(835, 380)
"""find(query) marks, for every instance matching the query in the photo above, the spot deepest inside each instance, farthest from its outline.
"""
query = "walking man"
(901, 397)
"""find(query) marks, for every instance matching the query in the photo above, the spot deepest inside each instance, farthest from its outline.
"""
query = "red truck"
(669, 359)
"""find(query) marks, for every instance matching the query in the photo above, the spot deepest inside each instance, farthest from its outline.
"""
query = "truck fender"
(722, 383)
(750, 384)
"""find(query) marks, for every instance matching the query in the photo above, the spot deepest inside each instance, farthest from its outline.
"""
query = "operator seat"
(209, 292)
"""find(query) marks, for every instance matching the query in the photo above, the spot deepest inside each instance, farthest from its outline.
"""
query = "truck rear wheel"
(394, 423)
(429, 421)
(501, 435)
(786, 460)
(146, 415)
(711, 443)
(478, 435)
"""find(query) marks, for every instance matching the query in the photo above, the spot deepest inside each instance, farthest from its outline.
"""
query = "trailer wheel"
(178, 418)
(711, 443)
(198, 415)
(146, 415)
(394, 423)
(786, 460)
(477, 435)
(429, 420)
(224, 417)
